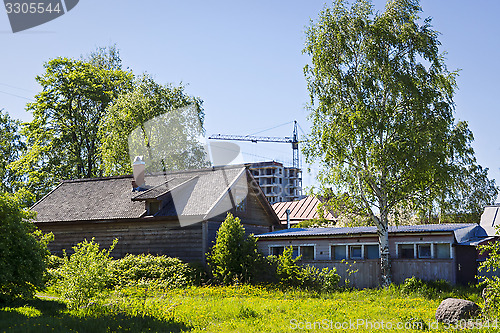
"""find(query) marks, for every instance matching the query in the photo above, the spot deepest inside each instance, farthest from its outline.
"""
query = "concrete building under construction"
(279, 183)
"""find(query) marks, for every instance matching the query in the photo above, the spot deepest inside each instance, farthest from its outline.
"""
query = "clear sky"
(243, 58)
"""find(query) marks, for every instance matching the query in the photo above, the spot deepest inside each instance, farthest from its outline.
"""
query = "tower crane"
(294, 140)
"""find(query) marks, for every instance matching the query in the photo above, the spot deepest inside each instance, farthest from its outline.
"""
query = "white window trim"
(314, 251)
(424, 242)
(347, 249)
(270, 246)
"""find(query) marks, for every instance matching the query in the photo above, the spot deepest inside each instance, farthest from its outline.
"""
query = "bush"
(23, 249)
(292, 274)
(234, 256)
(85, 274)
(431, 289)
(147, 269)
(52, 275)
(491, 292)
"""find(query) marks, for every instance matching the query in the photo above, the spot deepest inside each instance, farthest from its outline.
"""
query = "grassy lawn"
(234, 309)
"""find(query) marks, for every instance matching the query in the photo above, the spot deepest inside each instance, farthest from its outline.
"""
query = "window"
(338, 252)
(355, 252)
(372, 252)
(406, 251)
(443, 251)
(295, 252)
(276, 250)
(307, 252)
(424, 251)
(154, 207)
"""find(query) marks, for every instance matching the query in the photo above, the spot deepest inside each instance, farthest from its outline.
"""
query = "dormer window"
(153, 207)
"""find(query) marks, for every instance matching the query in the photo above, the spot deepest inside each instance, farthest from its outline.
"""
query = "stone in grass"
(453, 309)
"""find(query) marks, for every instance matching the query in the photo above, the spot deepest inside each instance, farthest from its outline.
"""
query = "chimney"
(138, 168)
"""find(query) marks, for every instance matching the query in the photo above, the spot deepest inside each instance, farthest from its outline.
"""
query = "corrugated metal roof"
(301, 232)
(301, 210)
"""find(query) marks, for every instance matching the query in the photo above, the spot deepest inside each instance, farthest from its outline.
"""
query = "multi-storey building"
(278, 183)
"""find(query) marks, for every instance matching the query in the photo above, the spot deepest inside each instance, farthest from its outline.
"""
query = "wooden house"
(174, 213)
(429, 252)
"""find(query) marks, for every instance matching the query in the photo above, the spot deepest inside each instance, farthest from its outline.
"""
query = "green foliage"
(62, 139)
(11, 147)
(85, 274)
(491, 269)
(382, 112)
(241, 308)
(431, 289)
(52, 274)
(291, 274)
(149, 121)
(146, 269)
(23, 249)
(234, 255)
(314, 223)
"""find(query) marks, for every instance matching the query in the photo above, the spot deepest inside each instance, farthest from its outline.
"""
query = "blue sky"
(244, 60)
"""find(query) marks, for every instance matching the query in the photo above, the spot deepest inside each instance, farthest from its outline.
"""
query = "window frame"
(433, 249)
(348, 254)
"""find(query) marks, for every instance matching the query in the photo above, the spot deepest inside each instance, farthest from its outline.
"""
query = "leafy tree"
(23, 249)
(382, 112)
(462, 201)
(62, 139)
(11, 148)
(234, 255)
(158, 121)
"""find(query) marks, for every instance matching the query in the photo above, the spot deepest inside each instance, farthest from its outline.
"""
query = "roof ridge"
(214, 168)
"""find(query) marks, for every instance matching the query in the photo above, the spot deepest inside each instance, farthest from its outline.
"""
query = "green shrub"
(23, 249)
(291, 274)
(234, 256)
(148, 269)
(85, 274)
(431, 289)
(491, 292)
(52, 275)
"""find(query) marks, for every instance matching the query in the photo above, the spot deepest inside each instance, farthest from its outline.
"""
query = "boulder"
(454, 309)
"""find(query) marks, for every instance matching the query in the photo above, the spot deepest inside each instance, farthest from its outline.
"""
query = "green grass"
(231, 309)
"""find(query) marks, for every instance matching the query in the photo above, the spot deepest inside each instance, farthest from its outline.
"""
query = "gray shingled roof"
(111, 198)
(162, 189)
(304, 232)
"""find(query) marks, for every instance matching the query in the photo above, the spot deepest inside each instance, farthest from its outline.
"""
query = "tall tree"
(382, 111)
(11, 148)
(62, 139)
(158, 121)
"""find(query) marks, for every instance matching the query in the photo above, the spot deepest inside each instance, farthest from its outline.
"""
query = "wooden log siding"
(159, 238)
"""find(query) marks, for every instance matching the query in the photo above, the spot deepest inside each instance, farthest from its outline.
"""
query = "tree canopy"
(87, 113)
(383, 112)
(11, 148)
(62, 138)
(158, 121)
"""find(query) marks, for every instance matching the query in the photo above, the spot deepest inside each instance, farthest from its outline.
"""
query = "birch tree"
(382, 111)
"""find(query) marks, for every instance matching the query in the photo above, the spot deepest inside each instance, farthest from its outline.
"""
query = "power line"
(18, 96)
(19, 88)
